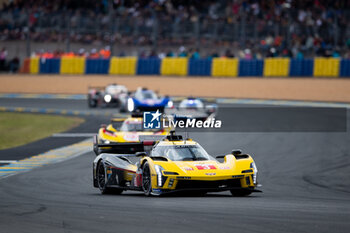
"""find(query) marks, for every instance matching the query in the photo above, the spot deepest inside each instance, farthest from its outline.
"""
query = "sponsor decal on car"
(188, 169)
(132, 137)
(210, 174)
(205, 166)
(157, 191)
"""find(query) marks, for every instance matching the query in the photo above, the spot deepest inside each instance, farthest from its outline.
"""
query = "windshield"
(135, 127)
(115, 89)
(191, 104)
(182, 153)
(146, 95)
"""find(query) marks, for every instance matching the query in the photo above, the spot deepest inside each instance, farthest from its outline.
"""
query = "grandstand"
(247, 29)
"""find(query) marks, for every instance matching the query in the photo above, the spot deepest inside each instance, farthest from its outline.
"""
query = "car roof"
(176, 143)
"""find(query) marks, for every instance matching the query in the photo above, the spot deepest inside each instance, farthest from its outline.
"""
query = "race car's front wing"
(179, 184)
(130, 180)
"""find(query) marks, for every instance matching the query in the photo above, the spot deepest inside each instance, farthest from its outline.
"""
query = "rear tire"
(240, 193)
(101, 177)
(146, 179)
(92, 103)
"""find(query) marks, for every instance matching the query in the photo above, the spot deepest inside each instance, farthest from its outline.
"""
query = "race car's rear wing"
(123, 148)
(145, 144)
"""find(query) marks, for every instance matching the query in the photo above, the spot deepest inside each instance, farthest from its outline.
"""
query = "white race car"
(113, 95)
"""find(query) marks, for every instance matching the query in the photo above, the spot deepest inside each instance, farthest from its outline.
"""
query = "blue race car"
(147, 100)
(193, 108)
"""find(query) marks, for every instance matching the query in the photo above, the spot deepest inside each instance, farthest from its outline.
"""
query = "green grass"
(17, 129)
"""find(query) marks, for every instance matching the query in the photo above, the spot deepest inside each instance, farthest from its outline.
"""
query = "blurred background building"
(157, 28)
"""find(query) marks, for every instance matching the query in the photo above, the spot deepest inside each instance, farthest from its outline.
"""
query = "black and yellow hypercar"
(121, 131)
(174, 164)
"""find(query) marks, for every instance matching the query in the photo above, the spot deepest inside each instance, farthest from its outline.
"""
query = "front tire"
(146, 179)
(101, 177)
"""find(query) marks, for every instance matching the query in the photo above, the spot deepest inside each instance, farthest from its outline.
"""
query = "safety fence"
(225, 67)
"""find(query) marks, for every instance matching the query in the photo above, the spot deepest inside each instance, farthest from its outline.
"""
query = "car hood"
(152, 102)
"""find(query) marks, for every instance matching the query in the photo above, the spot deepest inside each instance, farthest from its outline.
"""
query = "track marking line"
(283, 103)
(8, 161)
(44, 96)
(11, 168)
(73, 135)
(60, 111)
(49, 157)
(179, 98)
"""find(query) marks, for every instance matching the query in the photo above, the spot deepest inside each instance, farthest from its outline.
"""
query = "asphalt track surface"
(305, 179)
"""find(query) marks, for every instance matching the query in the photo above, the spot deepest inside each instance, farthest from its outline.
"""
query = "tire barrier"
(96, 66)
(72, 65)
(148, 66)
(326, 67)
(25, 68)
(345, 68)
(251, 67)
(123, 65)
(34, 65)
(50, 66)
(217, 67)
(276, 67)
(225, 67)
(199, 67)
(174, 66)
(301, 67)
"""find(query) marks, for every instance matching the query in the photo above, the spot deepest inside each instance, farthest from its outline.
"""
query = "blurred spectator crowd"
(236, 28)
(94, 53)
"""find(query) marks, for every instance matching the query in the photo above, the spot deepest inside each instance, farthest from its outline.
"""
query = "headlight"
(159, 170)
(106, 142)
(170, 104)
(107, 98)
(252, 165)
(130, 105)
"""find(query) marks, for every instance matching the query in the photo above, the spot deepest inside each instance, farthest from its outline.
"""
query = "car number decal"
(205, 166)
(134, 137)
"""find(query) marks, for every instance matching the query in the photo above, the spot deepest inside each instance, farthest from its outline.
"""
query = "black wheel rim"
(146, 179)
(101, 176)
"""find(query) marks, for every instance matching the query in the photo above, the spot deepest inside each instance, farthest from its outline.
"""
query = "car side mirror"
(140, 154)
(236, 152)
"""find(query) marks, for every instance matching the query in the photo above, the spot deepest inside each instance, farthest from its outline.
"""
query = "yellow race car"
(121, 131)
(174, 164)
